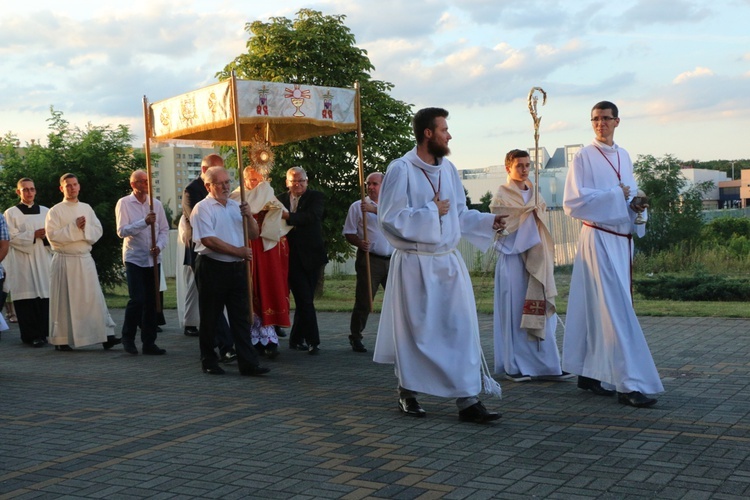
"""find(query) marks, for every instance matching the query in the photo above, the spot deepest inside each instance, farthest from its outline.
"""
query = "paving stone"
(102, 424)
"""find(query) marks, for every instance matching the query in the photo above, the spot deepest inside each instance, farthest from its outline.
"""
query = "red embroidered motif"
(534, 307)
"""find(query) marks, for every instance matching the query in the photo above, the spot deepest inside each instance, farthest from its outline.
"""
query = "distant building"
(174, 169)
(711, 198)
(478, 181)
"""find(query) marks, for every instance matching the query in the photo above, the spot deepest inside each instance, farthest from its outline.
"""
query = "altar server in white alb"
(29, 264)
(525, 319)
(604, 343)
(78, 313)
(428, 325)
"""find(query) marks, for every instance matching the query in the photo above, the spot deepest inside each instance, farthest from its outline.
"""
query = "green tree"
(317, 49)
(102, 159)
(484, 202)
(674, 204)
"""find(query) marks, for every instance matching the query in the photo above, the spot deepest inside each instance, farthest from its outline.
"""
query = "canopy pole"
(147, 150)
(362, 186)
(238, 138)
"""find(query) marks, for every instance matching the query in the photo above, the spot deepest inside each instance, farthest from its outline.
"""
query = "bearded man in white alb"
(428, 325)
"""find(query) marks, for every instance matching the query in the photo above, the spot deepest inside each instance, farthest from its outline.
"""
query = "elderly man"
(78, 312)
(429, 326)
(307, 256)
(604, 343)
(30, 257)
(373, 245)
(220, 271)
(135, 219)
(195, 192)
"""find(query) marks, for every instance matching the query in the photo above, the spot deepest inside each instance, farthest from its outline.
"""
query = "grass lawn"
(339, 297)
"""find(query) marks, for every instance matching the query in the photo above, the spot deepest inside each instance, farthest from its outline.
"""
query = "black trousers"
(302, 284)
(378, 275)
(33, 319)
(141, 308)
(220, 285)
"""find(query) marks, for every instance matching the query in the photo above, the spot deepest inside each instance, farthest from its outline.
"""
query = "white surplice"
(603, 339)
(78, 313)
(28, 261)
(187, 292)
(428, 325)
(514, 352)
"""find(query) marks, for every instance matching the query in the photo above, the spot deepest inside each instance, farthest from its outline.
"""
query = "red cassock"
(270, 280)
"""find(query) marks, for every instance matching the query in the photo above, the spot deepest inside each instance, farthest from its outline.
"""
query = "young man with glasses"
(604, 343)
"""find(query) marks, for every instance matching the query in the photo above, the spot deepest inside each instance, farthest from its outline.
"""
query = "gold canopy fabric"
(286, 112)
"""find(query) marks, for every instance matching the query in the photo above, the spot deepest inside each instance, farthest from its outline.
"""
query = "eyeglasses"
(605, 119)
(225, 183)
(291, 181)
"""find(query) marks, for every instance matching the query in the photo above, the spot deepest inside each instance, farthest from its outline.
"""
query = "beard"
(436, 149)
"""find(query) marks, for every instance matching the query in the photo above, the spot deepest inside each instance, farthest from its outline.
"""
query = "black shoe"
(477, 413)
(635, 398)
(38, 343)
(279, 331)
(111, 342)
(213, 370)
(255, 371)
(357, 345)
(129, 347)
(313, 350)
(191, 331)
(271, 351)
(411, 406)
(298, 347)
(154, 350)
(228, 357)
(64, 347)
(593, 385)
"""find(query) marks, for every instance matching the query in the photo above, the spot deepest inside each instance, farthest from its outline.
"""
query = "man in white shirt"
(135, 220)
(29, 262)
(379, 250)
(221, 273)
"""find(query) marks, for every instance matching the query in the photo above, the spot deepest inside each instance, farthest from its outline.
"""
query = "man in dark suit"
(307, 255)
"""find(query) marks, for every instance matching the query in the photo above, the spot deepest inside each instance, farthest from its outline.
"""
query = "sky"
(679, 70)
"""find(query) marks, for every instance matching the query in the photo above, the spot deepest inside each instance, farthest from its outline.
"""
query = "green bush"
(698, 287)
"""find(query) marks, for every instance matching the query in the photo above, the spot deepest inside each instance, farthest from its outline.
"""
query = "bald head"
(212, 160)
(372, 183)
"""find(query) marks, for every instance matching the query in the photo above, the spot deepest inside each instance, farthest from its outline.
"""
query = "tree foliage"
(102, 159)
(317, 49)
(484, 202)
(674, 205)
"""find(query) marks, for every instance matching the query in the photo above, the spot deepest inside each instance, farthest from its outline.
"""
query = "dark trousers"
(33, 319)
(302, 283)
(141, 308)
(378, 276)
(220, 285)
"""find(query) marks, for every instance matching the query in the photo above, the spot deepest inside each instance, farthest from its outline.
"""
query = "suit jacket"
(306, 244)
(193, 193)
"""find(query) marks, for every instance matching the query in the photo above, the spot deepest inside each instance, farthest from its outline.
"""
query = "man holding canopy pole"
(219, 238)
(134, 218)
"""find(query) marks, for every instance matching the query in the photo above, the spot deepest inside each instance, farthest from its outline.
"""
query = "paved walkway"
(103, 424)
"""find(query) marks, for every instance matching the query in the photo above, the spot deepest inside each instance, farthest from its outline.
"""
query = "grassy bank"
(339, 296)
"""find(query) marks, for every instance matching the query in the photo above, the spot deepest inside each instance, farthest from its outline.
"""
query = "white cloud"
(699, 72)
